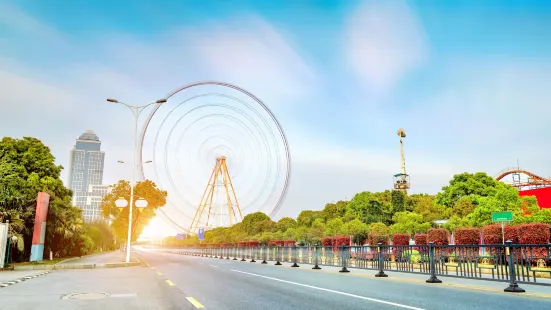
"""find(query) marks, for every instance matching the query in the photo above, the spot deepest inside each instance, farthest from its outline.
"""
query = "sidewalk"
(112, 259)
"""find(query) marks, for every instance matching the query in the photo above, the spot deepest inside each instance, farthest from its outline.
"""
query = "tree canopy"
(467, 201)
(147, 190)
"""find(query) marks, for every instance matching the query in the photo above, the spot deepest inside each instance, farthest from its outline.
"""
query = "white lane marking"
(331, 291)
(213, 266)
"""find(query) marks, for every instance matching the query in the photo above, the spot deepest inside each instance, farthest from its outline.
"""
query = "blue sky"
(468, 80)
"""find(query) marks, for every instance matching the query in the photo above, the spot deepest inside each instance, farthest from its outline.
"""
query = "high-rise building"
(86, 175)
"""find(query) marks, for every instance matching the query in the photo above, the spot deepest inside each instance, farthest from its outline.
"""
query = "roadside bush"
(439, 236)
(374, 239)
(467, 236)
(491, 234)
(341, 240)
(421, 240)
(512, 233)
(327, 241)
(400, 239)
(400, 243)
(534, 233)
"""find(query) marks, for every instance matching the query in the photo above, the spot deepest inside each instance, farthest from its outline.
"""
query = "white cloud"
(384, 41)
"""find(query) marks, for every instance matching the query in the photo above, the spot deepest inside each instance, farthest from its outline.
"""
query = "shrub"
(512, 233)
(467, 236)
(374, 239)
(327, 241)
(534, 233)
(289, 242)
(491, 234)
(400, 239)
(439, 236)
(421, 239)
(341, 240)
(399, 244)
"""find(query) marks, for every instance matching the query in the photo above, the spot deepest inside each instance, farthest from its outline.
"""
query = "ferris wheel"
(219, 152)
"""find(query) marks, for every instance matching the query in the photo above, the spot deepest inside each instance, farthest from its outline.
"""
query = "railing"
(512, 263)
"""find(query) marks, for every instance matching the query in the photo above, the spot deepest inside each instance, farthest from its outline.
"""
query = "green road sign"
(506, 216)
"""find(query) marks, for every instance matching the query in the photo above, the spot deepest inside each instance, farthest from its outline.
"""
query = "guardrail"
(512, 263)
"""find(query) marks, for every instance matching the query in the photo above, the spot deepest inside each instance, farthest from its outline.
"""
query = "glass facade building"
(86, 175)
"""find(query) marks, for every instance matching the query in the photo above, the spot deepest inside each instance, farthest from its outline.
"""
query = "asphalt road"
(228, 284)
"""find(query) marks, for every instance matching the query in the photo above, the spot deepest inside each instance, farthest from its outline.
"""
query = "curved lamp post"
(136, 110)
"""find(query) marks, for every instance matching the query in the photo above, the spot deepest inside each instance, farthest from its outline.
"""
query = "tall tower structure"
(401, 180)
(86, 175)
(226, 211)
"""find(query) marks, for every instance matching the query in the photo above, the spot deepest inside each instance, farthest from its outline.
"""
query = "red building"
(543, 195)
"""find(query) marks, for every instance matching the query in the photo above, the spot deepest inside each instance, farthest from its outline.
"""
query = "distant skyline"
(467, 80)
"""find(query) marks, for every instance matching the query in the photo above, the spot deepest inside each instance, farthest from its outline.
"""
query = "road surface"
(173, 281)
(228, 284)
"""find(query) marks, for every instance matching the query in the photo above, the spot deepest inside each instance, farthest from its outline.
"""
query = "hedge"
(467, 236)
(439, 236)
(492, 234)
(421, 239)
(512, 233)
(534, 234)
(340, 241)
(400, 239)
(374, 239)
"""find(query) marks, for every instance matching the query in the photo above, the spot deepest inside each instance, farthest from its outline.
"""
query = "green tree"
(464, 207)
(334, 227)
(285, 223)
(465, 185)
(505, 198)
(369, 208)
(408, 223)
(357, 230)
(147, 190)
(27, 167)
(379, 228)
(334, 210)
(307, 217)
(398, 201)
(253, 223)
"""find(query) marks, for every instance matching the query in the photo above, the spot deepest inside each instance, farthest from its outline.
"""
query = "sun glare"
(157, 228)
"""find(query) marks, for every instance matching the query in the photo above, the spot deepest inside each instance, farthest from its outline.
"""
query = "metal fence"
(512, 263)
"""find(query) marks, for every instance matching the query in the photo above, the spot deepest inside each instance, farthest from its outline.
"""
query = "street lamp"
(136, 111)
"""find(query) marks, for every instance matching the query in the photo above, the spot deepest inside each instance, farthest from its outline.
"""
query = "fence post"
(294, 257)
(343, 258)
(513, 286)
(243, 254)
(432, 261)
(222, 250)
(264, 255)
(381, 273)
(278, 263)
(253, 252)
(316, 258)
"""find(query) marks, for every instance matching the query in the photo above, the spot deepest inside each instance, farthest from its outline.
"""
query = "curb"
(12, 282)
(85, 256)
(80, 266)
